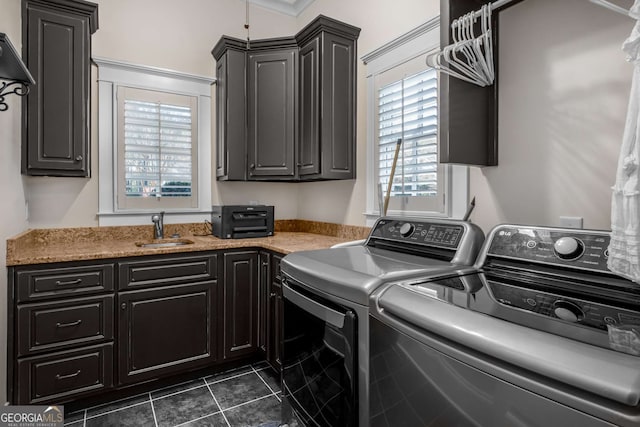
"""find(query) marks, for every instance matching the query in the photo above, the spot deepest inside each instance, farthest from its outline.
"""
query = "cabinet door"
(231, 151)
(338, 132)
(263, 294)
(166, 330)
(271, 113)
(274, 315)
(57, 49)
(240, 304)
(309, 139)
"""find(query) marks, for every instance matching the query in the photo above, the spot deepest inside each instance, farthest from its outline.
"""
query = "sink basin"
(164, 243)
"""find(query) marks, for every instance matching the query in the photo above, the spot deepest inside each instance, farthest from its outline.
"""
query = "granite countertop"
(40, 246)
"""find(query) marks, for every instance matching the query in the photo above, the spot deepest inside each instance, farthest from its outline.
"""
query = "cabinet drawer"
(61, 376)
(166, 271)
(49, 326)
(36, 284)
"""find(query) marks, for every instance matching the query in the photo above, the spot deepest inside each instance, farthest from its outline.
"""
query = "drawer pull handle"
(69, 283)
(64, 377)
(66, 325)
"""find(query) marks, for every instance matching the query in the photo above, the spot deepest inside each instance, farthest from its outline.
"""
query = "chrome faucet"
(158, 225)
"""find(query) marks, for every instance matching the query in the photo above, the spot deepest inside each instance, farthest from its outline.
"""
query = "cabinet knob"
(78, 158)
(252, 166)
(273, 294)
(123, 305)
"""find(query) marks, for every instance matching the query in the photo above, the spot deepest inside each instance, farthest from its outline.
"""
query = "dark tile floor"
(243, 397)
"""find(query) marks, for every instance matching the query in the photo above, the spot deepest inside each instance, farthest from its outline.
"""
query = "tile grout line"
(228, 378)
(153, 410)
(219, 407)
(112, 402)
(178, 392)
(199, 418)
(265, 383)
(115, 410)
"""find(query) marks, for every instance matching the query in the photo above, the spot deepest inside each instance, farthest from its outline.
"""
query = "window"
(408, 114)
(402, 105)
(157, 149)
(154, 143)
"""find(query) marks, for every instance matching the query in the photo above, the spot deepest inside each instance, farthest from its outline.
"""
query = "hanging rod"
(494, 5)
(611, 6)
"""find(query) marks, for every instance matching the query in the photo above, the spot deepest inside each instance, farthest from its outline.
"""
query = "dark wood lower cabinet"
(274, 308)
(263, 296)
(77, 330)
(166, 330)
(241, 315)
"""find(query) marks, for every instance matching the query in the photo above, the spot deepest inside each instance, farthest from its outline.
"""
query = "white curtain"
(624, 249)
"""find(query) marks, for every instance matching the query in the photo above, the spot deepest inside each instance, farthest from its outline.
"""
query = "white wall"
(12, 213)
(563, 94)
(564, 88)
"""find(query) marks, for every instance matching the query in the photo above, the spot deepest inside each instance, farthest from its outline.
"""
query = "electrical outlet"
(571, 221)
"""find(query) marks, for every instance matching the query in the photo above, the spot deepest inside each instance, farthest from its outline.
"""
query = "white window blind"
(408, 111)
(158, 149)
(402, 103)
(406, 102)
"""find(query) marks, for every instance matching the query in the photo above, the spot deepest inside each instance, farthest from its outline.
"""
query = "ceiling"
(288, 7)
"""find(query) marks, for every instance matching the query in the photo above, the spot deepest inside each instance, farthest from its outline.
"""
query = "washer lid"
(354, 272)
(606, 373)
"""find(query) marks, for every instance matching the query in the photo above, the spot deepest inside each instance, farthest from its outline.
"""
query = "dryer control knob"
(407, 229)
(568, 311)
(568, 247)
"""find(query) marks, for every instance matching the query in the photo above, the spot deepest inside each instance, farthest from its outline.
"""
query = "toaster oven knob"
(568, 248)
(568, 311)
(407, 229)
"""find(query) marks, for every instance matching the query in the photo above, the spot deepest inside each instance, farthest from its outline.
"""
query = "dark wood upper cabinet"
(57, 47)
(299, 105)
(271, 106)
(309, 107)
(327, 135)
(231, 111)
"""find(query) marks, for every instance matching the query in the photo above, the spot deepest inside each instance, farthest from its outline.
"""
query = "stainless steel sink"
(164, 243)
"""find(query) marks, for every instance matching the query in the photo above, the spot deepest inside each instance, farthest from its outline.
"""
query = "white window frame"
(417, 42)
(113, 74)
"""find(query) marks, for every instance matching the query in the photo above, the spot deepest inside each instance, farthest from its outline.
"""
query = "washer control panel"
(572, 310)
(432, 233)
(567, 247)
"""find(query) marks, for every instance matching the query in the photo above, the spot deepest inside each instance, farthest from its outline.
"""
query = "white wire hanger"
(611, 6)
(469, 57)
